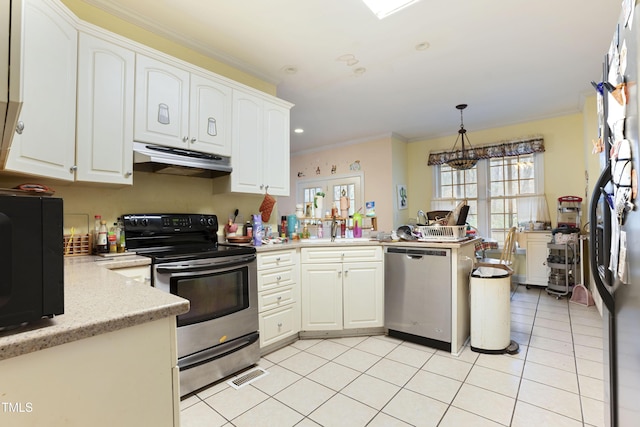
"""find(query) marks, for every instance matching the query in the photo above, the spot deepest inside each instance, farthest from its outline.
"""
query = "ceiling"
(511, 61)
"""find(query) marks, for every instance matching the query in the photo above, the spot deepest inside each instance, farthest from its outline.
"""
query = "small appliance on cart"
(569, 211)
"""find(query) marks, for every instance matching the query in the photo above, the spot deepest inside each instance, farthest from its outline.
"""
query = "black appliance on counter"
(218, 336)
(31, 259)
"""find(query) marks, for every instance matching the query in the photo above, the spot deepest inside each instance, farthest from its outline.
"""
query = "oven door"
(222, 293)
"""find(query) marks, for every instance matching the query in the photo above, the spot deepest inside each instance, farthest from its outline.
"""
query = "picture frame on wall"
(403, 202)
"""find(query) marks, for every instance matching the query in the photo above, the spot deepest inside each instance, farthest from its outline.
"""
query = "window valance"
(512, 148)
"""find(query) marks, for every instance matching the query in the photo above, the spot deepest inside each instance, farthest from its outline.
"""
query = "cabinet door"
(161, 103)
(537, 270)
(247, 143)
(105, 112)
(363, 293)
(321, 297)
(276, 153)
(210, 116)
(45, 43)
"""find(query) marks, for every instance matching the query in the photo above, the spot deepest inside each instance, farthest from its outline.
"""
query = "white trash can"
(491, 309)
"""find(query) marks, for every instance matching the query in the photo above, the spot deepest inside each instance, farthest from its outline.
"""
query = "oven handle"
(217, 352)
(208, 266)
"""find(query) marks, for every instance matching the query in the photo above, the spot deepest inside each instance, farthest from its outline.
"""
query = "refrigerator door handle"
(599, 280)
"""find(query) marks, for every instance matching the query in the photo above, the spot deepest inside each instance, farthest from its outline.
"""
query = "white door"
(105, 112)
(46, 76)
(210, 116)
(161, 103)
(363, 295)
(321, 297)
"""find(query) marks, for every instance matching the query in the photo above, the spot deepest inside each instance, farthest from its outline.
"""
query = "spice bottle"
(102, 245)
(283, 226)
(248, 230)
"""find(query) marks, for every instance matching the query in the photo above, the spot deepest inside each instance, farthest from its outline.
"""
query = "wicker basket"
(80, 244)
(441, 233)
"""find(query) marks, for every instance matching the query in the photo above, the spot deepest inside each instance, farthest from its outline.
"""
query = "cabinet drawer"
(276, 259)
(276, 298)
(275, 277)
(278, 324)
(340, 254)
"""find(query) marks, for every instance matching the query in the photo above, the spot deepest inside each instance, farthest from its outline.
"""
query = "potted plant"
(318, 202)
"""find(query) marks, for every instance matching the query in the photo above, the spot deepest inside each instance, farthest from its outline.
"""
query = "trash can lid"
(489, 272)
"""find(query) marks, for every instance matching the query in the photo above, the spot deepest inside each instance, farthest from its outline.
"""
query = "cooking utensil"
(235, 215)
(405, 233)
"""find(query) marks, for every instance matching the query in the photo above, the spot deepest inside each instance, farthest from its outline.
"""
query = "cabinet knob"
(278, 259)
(73, 168)
(261, 186)
(280, 325)
(20, 127)
(346, 272)
(193, 140)
(127, 174)
(185, 138)
(266, 188)
(279, 298)
(278, 278)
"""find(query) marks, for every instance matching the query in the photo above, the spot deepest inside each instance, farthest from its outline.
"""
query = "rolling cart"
(563, 261)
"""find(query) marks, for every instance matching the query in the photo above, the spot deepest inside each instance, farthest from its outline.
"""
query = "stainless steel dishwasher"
(417, 295)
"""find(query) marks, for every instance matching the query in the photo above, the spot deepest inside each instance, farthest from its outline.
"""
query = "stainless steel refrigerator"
(615, 222)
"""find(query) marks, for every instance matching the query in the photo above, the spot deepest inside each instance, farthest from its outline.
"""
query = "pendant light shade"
(464, 158)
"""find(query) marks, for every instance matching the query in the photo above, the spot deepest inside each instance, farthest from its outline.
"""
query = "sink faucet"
(424, 217)
(334, 229)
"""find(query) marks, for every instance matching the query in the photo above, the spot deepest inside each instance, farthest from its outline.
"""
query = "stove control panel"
(170, 223)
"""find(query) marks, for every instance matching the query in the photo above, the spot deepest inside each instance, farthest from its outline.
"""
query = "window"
(334, 187)
(491, 189)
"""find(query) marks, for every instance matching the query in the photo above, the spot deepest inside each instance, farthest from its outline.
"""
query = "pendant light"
(462, 159)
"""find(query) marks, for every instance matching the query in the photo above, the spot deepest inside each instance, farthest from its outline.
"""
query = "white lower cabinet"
(122, 378)
(537, 270)
(342, 288)
(278, 296)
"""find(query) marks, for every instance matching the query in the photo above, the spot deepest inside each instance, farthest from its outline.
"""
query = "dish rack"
(438, 233)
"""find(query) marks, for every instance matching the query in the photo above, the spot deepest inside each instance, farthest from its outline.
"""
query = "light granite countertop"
(96, 301)
(317, 243)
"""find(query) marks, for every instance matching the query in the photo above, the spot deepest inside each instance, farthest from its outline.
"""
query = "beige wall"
(376, 159)
(116, 25)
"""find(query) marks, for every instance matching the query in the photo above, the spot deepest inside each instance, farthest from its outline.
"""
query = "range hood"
(178, 161)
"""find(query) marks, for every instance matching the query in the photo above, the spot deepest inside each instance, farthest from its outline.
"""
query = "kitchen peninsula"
(110, 359)
(306, 295)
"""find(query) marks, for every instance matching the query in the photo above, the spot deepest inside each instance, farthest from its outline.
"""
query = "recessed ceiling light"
(384, 8)
(423, 46)
(352, 62)
(290, 69)
(359, 71)
(298, 130)
(346, 57)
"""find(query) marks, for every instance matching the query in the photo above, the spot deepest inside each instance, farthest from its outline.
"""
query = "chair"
(506, 257)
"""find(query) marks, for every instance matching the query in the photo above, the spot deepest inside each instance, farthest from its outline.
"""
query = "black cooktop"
(177, 237)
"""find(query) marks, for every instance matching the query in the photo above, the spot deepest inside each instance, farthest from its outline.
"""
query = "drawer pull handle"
(278, 278)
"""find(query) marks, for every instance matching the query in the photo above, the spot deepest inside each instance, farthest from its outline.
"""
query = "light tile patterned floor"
(556, 379)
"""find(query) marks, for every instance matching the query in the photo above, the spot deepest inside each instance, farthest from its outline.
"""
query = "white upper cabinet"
(105, 111)
(44, 48)
(210, 116)
(176, 108)
(260, 155)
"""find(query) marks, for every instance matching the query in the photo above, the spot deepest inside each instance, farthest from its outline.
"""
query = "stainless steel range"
(218, 336)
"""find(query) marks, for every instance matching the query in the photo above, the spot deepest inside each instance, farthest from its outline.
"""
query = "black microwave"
(31, 259)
